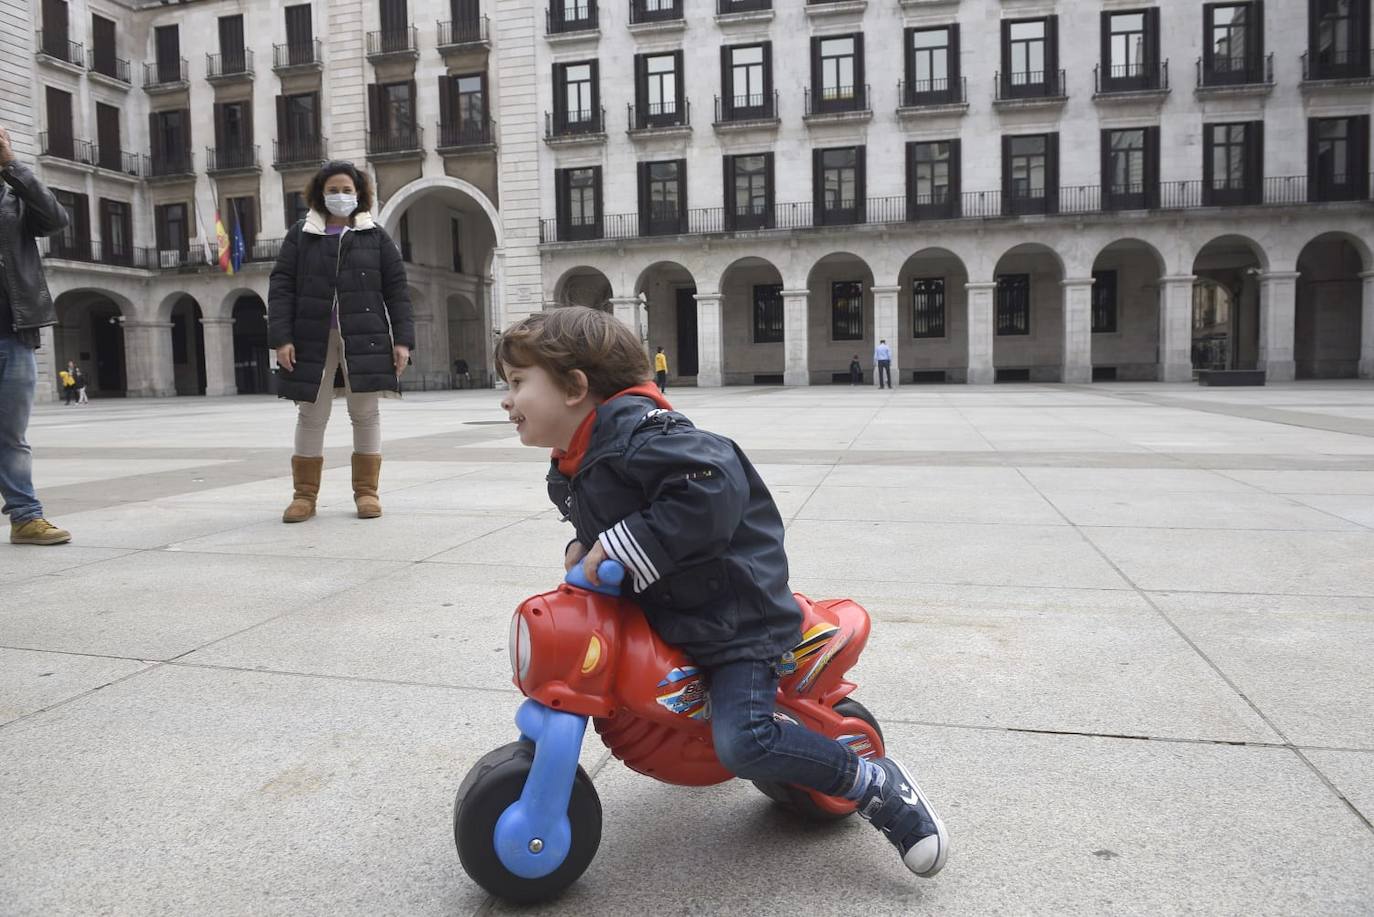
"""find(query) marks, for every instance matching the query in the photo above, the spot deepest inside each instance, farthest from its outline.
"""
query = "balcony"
(107, 68)
(575, 128)
(90, 251)
(54, 48)
(729, 12)
(571, 19)
(171, 76)
(229, 160)
(816, 9)
(656, 15)
(1235, 76)
(172, 164)
(299, 58)
(1130, 82)
(466, 137)
(1076, 202)
(195, 257)
(66, 150)
(837, 103)
(748, 112)
(396, 143)
(128, 165)
(659, 118)
(929, 97)
(1337, 70)
(465, 35)
(297, 154)
(393, 45)
(233, 67)
(1029, 89)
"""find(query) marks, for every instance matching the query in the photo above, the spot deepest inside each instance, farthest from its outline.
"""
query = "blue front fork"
(533, 836)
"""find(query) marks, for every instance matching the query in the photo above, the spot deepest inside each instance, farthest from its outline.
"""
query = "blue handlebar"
(610, 572)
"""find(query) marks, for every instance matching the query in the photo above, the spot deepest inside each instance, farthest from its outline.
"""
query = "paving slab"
(1308, 482)
(1358, 508)
(1224, 510)
(1303, 661)
(953, 503)
(31, 680)
(1039, 824)
(1092, 661)
(156, 523)
(1021, 555)
(160, 604)
(20, 562)
(1300, 563)
(1352, 772)
(188, 790)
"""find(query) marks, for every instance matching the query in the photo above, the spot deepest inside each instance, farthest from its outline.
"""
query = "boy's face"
(543, 414)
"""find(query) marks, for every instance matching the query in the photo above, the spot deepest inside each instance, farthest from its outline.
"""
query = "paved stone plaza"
(1124, 634)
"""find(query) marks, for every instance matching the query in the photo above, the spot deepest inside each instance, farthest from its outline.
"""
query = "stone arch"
(1226, 302)
(469, 355)
(752, 347)
(252, 359)
(90, 333)
(1028, 314)
(932, 341)
(187, 345)
(230, 300)
(840, 316)
(390, 215)
(1328, 306)
(667, 290)
(1125, 320)
(583, 286)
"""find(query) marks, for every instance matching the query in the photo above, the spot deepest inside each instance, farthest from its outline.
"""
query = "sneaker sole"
(941, 835)
(42, 542)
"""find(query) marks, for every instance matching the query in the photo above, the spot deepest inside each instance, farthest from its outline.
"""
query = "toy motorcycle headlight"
(519, 646)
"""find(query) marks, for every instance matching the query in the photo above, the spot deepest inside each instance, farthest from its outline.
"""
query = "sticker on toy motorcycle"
(683, 692)
(812, 642)
(823, 660)
(860, 744)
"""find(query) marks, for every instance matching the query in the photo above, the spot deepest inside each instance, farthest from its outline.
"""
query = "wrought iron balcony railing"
(106, 64)
(565, 16)
(755, 107)
(942, 91)
(466, 134)
(1130, 78)
(55, 44)
(289, 56)
(229, 65)
(659, 115)
(836, 100)
(398, 41)
(68, 148)
(1337, 65)
(162, 75)
(1235, 71)
(395, 140)
(294, 151)
(574, 123)
(1019, 85)
(231, 158)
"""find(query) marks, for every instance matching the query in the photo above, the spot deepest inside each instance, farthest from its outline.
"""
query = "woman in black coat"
(339, 317)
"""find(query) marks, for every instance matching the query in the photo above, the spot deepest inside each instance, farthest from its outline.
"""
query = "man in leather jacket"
(27, 210)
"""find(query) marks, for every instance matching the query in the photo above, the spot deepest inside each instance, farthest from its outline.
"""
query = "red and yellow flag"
(226, 262)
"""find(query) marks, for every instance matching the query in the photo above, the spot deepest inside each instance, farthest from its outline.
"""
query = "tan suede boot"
(305, 476)
(366, 470)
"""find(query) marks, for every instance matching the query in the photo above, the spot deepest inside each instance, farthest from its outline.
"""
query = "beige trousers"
(363, 410)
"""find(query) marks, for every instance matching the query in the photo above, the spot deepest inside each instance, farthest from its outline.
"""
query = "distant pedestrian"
(856, 371)
(339, 317)
(661, 370)
(882, 356)
(68, 381)
(27, 210)
(80, 378)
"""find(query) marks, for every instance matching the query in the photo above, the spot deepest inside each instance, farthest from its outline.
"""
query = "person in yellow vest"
(661, 370)
(68, 381)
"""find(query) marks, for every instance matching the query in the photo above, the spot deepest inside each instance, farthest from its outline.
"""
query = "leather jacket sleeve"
(42, 214)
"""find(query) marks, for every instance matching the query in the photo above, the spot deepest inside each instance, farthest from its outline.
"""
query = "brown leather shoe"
(366, 470)
(305, 477)
(38, 531)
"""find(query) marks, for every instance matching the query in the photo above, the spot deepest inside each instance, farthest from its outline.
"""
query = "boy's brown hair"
(575, 337)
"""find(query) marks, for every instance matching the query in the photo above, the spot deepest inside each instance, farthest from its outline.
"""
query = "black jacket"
(691, 519)
(363, 266)
(27, 210)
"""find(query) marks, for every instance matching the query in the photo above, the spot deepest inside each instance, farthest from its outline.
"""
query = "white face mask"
(341, 205)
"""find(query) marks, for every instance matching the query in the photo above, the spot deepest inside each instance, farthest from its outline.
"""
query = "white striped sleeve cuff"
(621, 545)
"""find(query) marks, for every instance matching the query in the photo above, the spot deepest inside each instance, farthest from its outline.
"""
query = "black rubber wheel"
(798, 799)
(495, 782)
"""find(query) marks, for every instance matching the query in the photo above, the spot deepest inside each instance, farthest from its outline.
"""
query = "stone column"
(630, 311)
(1176, 328)
(795, 341)
(710, 341)
(885, 328)
(1367, 325)
(148, 359)
(47, 371)
(1076, 358)
(219, 356)
(980, 332)
(1278, 290)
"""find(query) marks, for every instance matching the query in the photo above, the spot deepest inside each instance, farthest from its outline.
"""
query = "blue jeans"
(18, 384)
(754, 746)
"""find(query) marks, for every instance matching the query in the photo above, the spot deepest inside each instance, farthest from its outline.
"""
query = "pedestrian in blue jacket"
(694, 525)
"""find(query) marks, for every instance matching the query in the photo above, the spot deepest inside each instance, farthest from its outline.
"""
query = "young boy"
(702, 542)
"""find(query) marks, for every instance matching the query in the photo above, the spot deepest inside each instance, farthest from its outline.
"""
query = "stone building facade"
(1001, 189)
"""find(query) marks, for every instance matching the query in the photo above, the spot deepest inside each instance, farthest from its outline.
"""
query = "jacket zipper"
(338, 260)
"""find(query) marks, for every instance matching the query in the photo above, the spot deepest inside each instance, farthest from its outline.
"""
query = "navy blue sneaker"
(896, 806)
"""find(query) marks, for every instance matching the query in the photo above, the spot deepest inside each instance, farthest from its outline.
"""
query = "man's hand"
(6, 148)
(286, 357)
(593, 560)
(573, 555)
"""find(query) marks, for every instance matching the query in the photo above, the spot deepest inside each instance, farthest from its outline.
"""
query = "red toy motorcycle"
(527, 820)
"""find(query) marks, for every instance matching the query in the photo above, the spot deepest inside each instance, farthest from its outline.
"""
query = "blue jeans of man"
(754, 745)
(18, 384)
(884, 374)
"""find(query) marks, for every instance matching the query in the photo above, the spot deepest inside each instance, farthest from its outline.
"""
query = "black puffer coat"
(363, 266)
